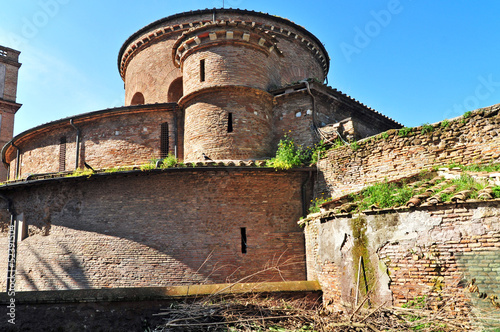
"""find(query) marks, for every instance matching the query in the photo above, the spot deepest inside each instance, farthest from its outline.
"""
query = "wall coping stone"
(157, 293)
(59, 177)
(330, 216)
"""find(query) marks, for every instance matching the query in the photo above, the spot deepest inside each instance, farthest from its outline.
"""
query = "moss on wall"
(360, 249)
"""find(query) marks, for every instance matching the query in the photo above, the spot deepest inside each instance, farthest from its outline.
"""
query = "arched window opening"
(137, 99)
(164, 140)
(175, 91)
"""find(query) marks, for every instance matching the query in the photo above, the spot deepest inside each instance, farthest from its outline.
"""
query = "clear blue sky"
(414, 61)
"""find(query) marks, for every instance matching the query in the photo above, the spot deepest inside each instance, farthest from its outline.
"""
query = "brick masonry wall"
(130, 137)
(434, 252)
(10, 61)
(150, 68)
(206, 124)
(228, 65)
(293, 114)
(6, 132)
(9, 68)
(291, 117)
(180, 226)
(465, 141)
(151, 72)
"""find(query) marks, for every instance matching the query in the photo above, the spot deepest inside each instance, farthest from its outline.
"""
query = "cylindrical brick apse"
(220, 66)
(228, 111)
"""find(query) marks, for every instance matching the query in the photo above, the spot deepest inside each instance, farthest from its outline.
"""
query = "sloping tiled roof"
(444, 186)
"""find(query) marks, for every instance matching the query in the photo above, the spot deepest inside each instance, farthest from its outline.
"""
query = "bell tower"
(9, 67)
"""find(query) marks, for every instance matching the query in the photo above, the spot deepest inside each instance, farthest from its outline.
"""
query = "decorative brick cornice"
(9, 106)
(214, 88)
(160, 30)
(223, 33)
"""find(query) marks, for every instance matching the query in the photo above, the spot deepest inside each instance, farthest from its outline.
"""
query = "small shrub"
(354, 146)
(288, 155)
(81, 172)
(482, 168)
(115, 169)
(337, 143)
(445, 124)
(317, 152)
(496, 192)
(150, 165)
(383, 195)
(316, 203)
(385, 135)
(417, 303)
(466, 116)
(169, 161)
(427, 128)
(464, 182)
(405, 131)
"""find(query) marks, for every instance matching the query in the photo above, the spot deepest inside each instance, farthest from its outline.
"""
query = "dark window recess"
(243, 240)
(202, 70)
(137, 99)
(229, 122)
(62, 154)
(164, 140)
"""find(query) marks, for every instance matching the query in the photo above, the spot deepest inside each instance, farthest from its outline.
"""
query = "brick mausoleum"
(224, 83)
(227, 85)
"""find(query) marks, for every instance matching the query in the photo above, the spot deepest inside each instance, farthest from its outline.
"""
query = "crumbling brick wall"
(391, 155)
(432, 253)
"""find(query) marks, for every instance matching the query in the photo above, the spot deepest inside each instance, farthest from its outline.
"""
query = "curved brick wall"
(151, 74)
(206, 124)
(110, 138)
(146, 60)
(227, 65)
(159, 228)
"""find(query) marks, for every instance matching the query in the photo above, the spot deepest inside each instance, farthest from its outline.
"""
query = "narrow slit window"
(243, 240)
(202, 70)
(62, 154)
(229, 122)
(164, 140)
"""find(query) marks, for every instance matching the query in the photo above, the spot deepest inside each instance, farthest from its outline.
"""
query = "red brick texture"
(158, 228)
(293, 113)
(146, 60)
(464, 141)
(111, 138)
(431, 252)
(9, 60)
(239, 49)
(206, 124)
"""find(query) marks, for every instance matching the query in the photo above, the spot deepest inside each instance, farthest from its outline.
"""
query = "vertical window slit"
(230, 122)
(243, 240)
(164, 140)
(62, 154)
(202, 70)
